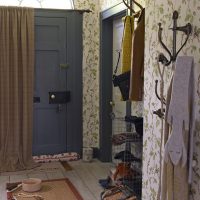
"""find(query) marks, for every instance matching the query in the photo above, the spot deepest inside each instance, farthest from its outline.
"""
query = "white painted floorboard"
(84, 176)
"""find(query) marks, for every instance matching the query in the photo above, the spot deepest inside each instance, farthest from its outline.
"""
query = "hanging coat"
(137, 60)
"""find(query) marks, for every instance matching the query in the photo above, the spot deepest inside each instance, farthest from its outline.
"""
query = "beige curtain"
(16, 88)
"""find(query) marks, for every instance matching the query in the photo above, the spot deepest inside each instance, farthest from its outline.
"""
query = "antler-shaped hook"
(156, 92)
(159, 112)
(187, 29)
(163, 59)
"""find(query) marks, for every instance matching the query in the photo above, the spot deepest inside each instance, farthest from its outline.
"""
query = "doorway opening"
(108, 17)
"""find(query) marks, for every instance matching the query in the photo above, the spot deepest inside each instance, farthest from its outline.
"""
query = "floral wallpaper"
(90, 72)
(105, 4)
(161, 11)
(156, 11)
(91, 69)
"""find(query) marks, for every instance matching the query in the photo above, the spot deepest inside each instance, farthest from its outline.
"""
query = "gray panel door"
(50, 127)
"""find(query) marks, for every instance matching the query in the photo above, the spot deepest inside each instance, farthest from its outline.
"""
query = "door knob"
(53, 96)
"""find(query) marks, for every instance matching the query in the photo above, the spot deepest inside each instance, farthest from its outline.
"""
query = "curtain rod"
(71, 10)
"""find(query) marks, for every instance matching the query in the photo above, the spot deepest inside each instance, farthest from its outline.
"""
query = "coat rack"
(187, 29)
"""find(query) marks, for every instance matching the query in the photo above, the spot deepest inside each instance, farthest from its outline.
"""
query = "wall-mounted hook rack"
(187, 29)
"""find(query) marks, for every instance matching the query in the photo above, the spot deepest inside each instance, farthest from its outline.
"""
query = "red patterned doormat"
(61, 189)
(72, 156)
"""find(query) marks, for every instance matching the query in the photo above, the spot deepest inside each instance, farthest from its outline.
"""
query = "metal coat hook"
(159, 112)
(187, 29)
(156, 91)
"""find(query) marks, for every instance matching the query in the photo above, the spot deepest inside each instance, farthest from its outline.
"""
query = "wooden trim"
(67, 10)
(74, 190)
(106, 63)
(113, 11)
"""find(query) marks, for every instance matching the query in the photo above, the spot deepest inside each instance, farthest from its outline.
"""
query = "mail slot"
(59, 97)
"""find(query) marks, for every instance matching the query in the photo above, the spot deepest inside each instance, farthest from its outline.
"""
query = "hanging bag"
(122, 81)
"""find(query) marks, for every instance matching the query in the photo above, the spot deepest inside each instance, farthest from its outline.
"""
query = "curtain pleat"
(16, 88)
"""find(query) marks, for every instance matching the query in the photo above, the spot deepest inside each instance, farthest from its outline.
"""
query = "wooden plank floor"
(84, 176)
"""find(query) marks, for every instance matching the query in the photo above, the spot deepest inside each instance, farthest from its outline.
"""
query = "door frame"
(74, 51)
(106, 72)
